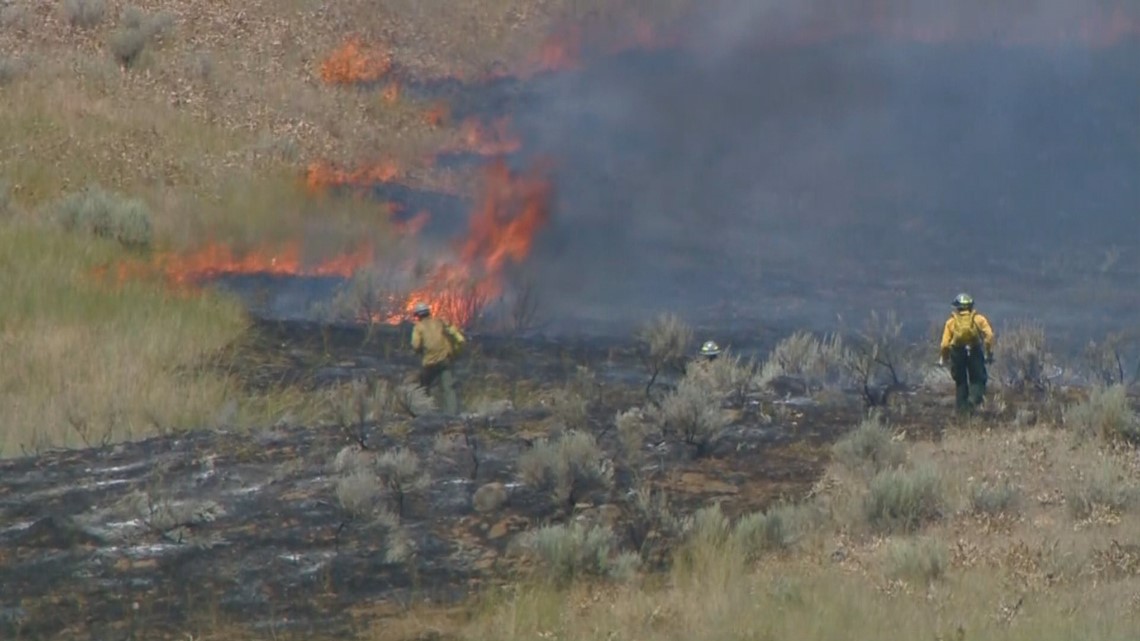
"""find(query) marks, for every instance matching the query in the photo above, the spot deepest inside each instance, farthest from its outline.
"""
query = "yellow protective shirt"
(949, 338)
(435, 340)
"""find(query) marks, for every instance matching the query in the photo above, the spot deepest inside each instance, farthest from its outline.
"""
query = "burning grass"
(212, 164)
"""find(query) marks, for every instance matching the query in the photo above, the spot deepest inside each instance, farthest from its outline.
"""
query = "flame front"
(494, 139)
(216, 259)
(320, 176)
(353, 63)
(513, 207)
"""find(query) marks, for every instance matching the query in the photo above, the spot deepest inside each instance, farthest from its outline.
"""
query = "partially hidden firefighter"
(968, 345)
(702, 366)
(438, 343)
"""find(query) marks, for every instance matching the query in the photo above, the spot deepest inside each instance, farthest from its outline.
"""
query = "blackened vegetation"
(260, 529)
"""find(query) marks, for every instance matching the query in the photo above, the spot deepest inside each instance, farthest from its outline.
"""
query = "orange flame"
(437, 115)
(494, 139)
(561, 51)
(353, 62)
(320, 176)
(512, 209)
(564, 49)
(215, 259)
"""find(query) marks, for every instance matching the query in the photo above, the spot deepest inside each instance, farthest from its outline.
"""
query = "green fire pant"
(440, 374)
(968, 369)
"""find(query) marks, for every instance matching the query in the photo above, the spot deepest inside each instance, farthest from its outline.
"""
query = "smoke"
(795, 161)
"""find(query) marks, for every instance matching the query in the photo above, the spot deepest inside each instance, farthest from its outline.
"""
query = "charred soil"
(154, 538)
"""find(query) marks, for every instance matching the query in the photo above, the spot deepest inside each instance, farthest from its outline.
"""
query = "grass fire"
(579, 320)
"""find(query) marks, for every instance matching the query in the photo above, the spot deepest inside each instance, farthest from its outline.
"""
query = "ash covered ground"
(181, 534)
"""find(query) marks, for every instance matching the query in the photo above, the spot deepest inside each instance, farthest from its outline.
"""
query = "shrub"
(904, 499)
(106, 215)
(1105, 414)
(804, 356)
(570, 409)
(390, 399)
(631, 429)
(774, 529)
(879, 355)
(665, 345)
(352, 458)
(135, 32)
(692, 414)
(1106, 487)
(731, 377)
(357, 491)
(569, 552)
(400, 473)
(708, 528)
(568, 467)
(870, 445)
(84, 14)
(347, 407)
(127, 45)
(922, 560)
(1023, 358)
(651, 516)
(1110, 362)
(993, 499)
(707, 539)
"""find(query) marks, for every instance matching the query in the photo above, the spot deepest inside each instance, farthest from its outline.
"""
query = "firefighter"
(968, 343)
(702, 365)
(438, 343)
(710, 350)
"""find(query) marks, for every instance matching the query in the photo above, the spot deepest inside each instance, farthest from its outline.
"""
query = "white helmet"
(710, 348)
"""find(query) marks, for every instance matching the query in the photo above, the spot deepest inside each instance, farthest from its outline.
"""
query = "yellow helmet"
(710, 348)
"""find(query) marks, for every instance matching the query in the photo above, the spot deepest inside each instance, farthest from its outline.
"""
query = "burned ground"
(148, 538)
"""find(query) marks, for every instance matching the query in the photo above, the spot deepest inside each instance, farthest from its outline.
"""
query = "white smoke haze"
(744, 177)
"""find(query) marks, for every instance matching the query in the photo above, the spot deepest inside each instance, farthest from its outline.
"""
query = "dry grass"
(1032, 568)
(86, 363)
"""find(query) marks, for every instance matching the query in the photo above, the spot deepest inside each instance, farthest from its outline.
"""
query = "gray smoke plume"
(795, 161)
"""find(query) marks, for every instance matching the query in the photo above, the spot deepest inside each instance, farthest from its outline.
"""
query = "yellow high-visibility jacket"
(950, 337)
(436, 341)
